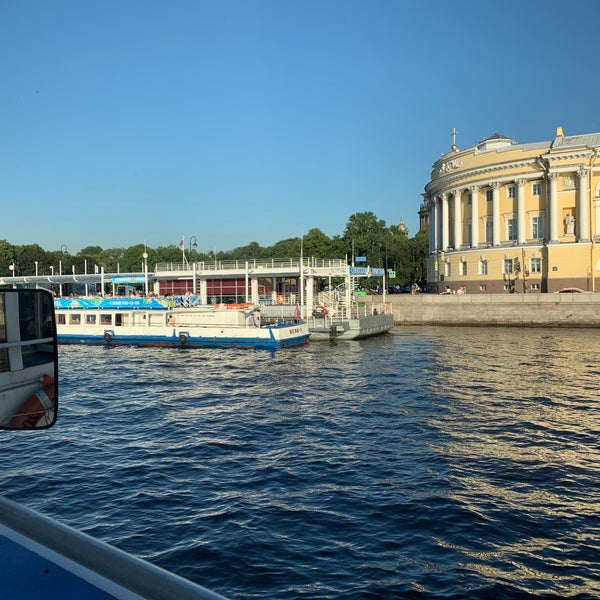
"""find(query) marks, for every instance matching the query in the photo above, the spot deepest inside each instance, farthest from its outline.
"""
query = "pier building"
(506, 217)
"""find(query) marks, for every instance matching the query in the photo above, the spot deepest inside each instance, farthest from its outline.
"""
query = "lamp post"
(145, 257)
(36, 273)
(193, 245)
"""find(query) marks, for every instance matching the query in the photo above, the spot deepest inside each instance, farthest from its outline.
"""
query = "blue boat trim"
(161, 341)
(57, 562)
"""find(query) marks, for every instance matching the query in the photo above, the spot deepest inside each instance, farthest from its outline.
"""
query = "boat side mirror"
(28, 360)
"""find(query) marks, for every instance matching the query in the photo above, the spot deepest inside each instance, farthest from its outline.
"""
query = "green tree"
(110, 259)
(284, 248)
(7, 256)
(366, 235)
(317, 244)
(169, 254)
(419, 248)
(253, 251)
(132, 260)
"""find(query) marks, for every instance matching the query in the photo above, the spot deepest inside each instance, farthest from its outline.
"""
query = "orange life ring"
(280, 299)
(239, 306)
(324, 309)
(36, 406)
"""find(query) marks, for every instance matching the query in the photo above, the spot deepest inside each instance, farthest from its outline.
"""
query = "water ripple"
(430, 463)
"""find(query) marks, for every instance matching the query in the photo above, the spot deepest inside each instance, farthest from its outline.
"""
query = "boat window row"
(110, 319)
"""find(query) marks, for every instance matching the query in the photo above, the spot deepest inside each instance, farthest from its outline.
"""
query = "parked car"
(572, 290)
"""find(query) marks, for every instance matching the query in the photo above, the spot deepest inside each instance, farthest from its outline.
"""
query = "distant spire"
(454, 146)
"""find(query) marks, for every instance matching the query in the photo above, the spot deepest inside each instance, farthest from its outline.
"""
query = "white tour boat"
(148, 322)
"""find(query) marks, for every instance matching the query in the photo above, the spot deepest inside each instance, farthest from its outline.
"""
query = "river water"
(427, 463)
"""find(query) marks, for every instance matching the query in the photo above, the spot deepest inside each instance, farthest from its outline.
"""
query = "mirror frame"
(28, 360)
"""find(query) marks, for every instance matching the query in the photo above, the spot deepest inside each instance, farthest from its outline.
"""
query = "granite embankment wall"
(510, 310)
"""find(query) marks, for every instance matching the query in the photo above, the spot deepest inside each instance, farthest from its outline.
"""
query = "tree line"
(364, 235)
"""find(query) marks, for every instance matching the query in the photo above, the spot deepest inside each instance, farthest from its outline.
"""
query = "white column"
(438, 222)
(521, 218)
(458, 224)
(583, 221)
(496, 213)
(430, 202)
(203, 291)
(553, 206)
(445, 223)
(310, 292)
(474, 190)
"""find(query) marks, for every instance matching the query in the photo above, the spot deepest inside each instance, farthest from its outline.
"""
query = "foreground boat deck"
(42, 558)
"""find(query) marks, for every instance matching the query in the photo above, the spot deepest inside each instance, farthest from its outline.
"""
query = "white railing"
(253, 264)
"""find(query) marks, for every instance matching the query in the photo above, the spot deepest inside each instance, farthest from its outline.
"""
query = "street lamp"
(193, 244)
(36, 272)
(12, 269)
(52, 270)
(145, 257)
(60, 273)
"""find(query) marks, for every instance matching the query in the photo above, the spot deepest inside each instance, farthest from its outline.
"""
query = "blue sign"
(366, 272)
(128, 279)
(361, 259)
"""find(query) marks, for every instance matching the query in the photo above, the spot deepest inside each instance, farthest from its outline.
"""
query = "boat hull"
(203, 341)
(350, 329)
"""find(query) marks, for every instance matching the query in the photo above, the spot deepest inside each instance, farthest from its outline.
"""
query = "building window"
(536, 265)
(507, 266)
(483, 267)
(447, 270)
(512, 229)
(463, 267)
(469, 199)
(537, 227)
(536, 189)
(535, 286)
(482, 287)
(512, 191)
(489, 195)
(489, 232)
(469, 234)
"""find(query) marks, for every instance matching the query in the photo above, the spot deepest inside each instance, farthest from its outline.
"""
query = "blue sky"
(129, 121)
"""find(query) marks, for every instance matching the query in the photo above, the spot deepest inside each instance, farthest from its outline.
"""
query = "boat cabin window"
(121, 319)
(28, 360)
(74, 319)
(90, 319)
(61, 319)
(105, 319)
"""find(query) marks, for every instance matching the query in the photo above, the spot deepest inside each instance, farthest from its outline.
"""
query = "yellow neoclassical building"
(508, 217)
